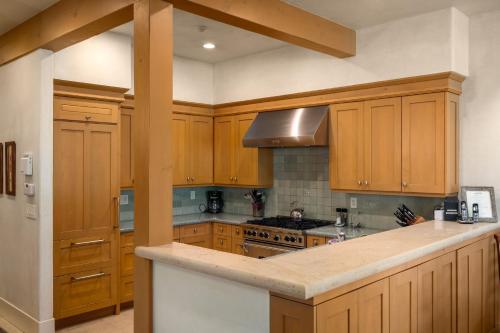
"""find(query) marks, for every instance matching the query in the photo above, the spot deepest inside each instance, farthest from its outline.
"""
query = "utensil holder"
(258, 209)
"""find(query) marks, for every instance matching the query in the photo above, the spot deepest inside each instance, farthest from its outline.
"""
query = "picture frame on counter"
(484, 196)
(10, 168)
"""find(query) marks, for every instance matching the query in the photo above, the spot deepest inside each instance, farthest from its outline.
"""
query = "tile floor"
(123, 323)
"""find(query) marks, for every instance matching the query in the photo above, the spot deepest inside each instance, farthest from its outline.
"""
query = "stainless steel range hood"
(301, 127)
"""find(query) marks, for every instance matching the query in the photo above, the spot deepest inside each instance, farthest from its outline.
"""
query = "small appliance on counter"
(215, 202)
(451, 212)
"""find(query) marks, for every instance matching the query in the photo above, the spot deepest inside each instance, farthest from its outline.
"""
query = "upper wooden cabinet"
(192, 149)
(365, 145)
(86, 183)
(235, 164)
(396, 145)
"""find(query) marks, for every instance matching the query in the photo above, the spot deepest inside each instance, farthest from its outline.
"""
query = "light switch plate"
(354, 203)
(30, 211)
(193, 195)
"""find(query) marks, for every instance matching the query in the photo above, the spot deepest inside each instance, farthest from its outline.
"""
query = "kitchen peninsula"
(434, 274)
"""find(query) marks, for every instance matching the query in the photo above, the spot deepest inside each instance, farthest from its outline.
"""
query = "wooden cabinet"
(396, 145)
(196, 234)
(313, 241)
(437, 295)
(403, 302)
(192, 149)
(292, 317)
(126, 148)
(235, 164)
(85, 110)
(476, 288)
(127, 255)
(365, 145)
(86, 183)
(362, 311)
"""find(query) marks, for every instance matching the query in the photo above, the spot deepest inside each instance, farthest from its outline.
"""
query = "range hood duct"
(302, 127)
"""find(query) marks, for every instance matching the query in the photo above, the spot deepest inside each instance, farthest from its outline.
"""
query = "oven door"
(263, 250)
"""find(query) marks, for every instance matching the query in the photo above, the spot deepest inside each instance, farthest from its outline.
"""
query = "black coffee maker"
(215, 203)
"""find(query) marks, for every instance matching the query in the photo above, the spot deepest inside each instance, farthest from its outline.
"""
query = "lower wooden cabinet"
(126, 285)
(313, 241)
(457, 292)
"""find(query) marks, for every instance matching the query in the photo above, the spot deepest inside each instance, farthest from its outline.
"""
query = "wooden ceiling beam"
(279, 20)
(65, 23)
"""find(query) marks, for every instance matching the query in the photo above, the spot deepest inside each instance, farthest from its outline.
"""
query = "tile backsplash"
(301, 180)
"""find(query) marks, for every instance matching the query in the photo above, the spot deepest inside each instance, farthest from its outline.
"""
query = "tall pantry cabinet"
(86, 197)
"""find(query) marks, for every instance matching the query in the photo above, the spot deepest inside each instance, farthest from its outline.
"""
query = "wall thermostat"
(27, 164)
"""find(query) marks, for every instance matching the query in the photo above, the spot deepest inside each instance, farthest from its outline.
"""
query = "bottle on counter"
(464, 213)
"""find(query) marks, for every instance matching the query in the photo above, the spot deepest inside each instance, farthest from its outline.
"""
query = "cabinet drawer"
(67, 108)
(238, 246)
(315, 241)
(127, 288)
(83, 292)
(127, 239)
(222, 243)
(76, 255)
(222, 229)
(237, 232)
(203, 240)
(194, 230)
(126, 260)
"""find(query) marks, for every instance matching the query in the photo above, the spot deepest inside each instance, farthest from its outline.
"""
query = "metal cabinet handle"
(88, 117)
(231, 178)
(192, 179)
(359, 182)
(366, 182)
(117, 212)
(87, 277)
(405, 184)
(187, 179)
(93, 242)
(235, 179)
(195, 230)
(221, 242)
(315, 242)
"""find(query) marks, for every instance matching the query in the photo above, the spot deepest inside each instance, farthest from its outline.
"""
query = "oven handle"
(285, 249)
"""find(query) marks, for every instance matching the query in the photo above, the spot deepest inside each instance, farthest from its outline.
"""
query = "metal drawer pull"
(87, 277)
(94, 242)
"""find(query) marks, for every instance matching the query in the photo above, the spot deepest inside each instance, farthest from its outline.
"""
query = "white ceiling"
(231, 42)
(358, 14)
(14, 12)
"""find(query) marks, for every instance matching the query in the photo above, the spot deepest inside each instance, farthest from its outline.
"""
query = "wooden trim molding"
(183, 107)
(439, 82)
(279, 20)
(89, 91)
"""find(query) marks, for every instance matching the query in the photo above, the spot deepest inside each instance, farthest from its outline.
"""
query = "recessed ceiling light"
(209, 46)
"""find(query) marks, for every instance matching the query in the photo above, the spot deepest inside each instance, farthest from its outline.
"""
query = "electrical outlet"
(307, 193)
(193, 195)
(123, 199)
(354, 203)
(30, 211)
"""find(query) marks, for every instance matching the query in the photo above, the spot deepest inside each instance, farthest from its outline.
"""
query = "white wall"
(186, 301)
(480, 114)
(412, 46)
(26, 245)
(107, 59)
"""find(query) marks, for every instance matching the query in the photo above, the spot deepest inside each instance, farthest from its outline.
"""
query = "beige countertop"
(308, 273)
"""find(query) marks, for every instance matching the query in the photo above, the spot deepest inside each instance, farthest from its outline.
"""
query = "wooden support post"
(153, 54)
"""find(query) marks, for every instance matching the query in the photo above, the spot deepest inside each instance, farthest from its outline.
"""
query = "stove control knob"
(266, 235)
(293, 239)
(261, 234)
(277, 238)
(254, 233)
(300, 239)
(287, 239)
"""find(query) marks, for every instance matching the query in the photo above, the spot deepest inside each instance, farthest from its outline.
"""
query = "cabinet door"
(382, 147)
(102, 177)
(346, 146)
(339, 315)
(223, 150)
(246, 159)
(403, 302)
(180, 149)
(437, 294)
(373, 308)
(69, 179)
(423, 144)
(126, 149)
(202, 150)
(473, 292)
(291, 317)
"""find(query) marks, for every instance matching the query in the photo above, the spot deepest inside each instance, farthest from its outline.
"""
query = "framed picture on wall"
(1, 168)
(10, 168)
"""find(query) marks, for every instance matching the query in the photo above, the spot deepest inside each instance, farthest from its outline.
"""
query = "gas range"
(281, 230)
